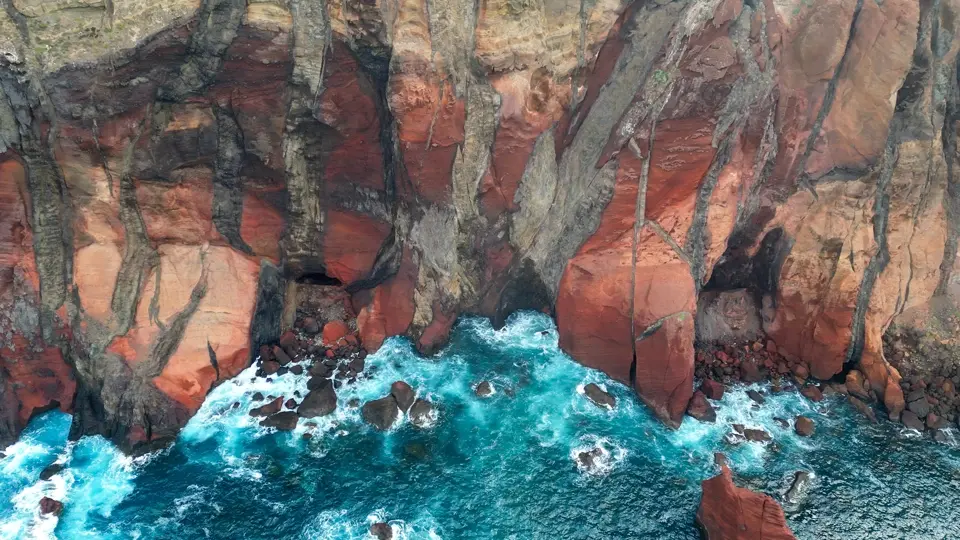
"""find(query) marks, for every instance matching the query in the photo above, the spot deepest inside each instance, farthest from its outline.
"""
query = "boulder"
(599, 397)
(803, 426)
(422, 413)
(921, 407)
(712, 389)
(50, 471)
(270, 367)
(321, 369)
(289, 341)
(756, 435)
(319, 401)
(290, 404)
(864, 409)
(728, 512)
(912, 421)
(270, 408)
(812, 393)
(257, 396)
(284, 421)
(281, 355)
(333, 332)
(936, 422)
(381, 413)
(701, 409)
(311, 326)
(855, 385)
(50, 506)
(297, 370)
(484, 389)
(750, 372)
(381, 531)
(756, 396)
(404, 395)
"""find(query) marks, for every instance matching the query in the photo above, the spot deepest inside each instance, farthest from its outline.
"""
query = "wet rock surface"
(381, 413)
(598, 396)
(734, 513)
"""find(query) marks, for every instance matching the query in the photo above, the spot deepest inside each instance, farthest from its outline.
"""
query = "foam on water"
(495, 467)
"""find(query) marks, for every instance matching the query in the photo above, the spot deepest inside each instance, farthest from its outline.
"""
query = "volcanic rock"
(910, 420)
(381, 413)
(730, 513)
(599, 397)
(864, 409)
(333, 332)
(422, 413)
(319, 401)
(484, 389)
(803, 426)
(800, 481)
(920, 407)
(712, 389)
(756, 435)
(290, 404)
(701, 409)
(381, 531)
(268, 409)
(281, 355)
(50, 471)
(756, 397)
(404, 395)
(588, 459)
(812, 393)
(321, 369)
(50, 506)
(284, 421)
(311, 326)
(270, 367)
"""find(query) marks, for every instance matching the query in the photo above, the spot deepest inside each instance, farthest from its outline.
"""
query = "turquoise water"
(501, 467)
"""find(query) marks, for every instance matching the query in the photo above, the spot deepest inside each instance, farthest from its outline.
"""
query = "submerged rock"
(864, 409)
(284, 421)
(422, 413)
(404, 395)
(50, 506)
(381, 531)
(588, 459)
(484, 389)
(756, 435)
(50, 471)
(797, 488)
(803, 426)
(600, 397)
(320, 401)
(728, 512)
(381, 413)
(701, 409)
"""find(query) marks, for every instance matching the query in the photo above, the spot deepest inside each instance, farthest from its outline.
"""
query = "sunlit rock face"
(166, 166)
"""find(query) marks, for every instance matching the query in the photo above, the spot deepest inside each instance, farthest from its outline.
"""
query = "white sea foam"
(610, 454)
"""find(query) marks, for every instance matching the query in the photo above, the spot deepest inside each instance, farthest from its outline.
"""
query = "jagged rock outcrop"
(728, 512)
(171, 169)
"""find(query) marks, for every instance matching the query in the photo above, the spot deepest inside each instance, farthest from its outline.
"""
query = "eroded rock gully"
(170, 170)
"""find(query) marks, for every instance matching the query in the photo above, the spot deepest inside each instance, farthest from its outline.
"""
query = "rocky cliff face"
(170, 170)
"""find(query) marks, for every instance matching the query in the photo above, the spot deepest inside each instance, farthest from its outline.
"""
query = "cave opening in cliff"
(319, 278)
(739, 299)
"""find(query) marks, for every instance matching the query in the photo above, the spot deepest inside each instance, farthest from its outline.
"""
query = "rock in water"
(484, 389)
(812, 393)
(50, 506)
(803, 426)
(756, 396)
(757, 435)
(381, 531)
(422, 413)
(50, 471)
(599, 396)
(728, 512)
(797, 488)
(588, 459)
(712, 389)
(404, 395)
(268, 409)
(910, 420)
(701, 409)
(284, 421)
(381, 413)
(320, 401)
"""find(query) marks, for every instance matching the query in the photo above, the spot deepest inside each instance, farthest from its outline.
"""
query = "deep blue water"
(501, 467)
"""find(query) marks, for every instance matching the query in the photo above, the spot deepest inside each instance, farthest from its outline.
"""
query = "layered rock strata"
(172, 170)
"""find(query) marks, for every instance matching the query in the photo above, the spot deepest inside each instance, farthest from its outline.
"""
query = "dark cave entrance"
(318, 278)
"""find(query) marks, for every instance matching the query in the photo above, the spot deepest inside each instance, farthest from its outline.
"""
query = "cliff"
(169, 172)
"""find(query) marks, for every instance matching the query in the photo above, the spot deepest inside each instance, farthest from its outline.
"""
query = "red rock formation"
(728, 512)
(605, 162)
